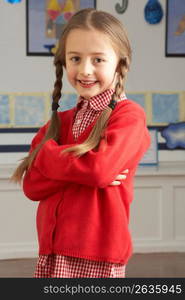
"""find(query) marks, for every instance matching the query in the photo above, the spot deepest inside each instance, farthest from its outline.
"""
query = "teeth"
(87, 82)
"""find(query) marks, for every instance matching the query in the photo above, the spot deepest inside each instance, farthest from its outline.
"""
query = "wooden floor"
(150, 265)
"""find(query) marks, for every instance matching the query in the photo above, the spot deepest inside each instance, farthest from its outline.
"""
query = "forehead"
(88, 41)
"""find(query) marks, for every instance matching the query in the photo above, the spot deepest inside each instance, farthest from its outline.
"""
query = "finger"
(121, 177)
(125, 171)
(115, 183)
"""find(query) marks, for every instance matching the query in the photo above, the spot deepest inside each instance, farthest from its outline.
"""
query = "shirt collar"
(98, 102)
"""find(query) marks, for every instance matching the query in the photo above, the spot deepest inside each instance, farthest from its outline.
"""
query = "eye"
(75, 58)
(98, 60)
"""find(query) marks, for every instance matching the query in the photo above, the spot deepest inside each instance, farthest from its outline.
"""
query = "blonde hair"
(84, 19)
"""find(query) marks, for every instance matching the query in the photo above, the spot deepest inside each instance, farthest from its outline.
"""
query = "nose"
(86, 68)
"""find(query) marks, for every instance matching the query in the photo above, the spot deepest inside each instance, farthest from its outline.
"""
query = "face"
(91, 62)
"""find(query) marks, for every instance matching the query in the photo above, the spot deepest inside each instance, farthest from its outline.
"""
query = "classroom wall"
(150, 69)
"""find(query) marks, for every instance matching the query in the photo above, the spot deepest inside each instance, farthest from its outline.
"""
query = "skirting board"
(30, 250)
(157, 246)
(18, 250)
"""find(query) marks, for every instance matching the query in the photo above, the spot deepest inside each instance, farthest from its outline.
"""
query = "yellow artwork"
(69, 7)
(53, 5)
(181, 26)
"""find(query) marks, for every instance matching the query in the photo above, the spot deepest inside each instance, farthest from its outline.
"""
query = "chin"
(87, 96)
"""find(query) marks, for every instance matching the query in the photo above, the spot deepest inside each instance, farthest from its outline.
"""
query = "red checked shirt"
(60, 266)
(88, 111)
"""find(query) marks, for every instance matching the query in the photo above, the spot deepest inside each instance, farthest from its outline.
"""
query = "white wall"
(150, 69)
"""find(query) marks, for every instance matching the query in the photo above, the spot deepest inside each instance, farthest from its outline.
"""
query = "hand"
(121, 176)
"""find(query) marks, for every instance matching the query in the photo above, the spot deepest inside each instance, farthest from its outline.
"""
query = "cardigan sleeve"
(127, 140)
(36, 186)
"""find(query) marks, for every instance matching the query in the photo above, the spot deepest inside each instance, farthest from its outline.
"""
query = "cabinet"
(157, 221)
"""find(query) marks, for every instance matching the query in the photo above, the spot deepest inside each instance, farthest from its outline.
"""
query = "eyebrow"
(94, 53)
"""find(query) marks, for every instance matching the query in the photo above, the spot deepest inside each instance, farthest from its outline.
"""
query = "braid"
(58, 83)
(54, 127)
(120, 84)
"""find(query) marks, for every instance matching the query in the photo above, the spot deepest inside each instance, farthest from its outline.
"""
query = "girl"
(82, 221)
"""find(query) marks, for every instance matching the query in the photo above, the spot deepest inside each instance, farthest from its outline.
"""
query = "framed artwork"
(151, 156)
(45, 20)
(174, 135)
(166, 108)
(30, 110)
(175, 28)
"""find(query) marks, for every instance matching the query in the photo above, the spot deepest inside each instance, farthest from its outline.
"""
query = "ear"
(121, 63)
(118, 67)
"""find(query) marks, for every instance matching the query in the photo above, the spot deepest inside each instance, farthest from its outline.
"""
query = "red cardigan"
(79, 213)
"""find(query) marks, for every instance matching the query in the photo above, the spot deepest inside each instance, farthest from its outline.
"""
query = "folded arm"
(36, 186)
(127, 140)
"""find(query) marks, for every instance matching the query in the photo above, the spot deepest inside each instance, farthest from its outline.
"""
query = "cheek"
(107, 72)
(71, 72)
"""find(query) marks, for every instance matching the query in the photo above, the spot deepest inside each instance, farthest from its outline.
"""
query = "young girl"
(82, 220)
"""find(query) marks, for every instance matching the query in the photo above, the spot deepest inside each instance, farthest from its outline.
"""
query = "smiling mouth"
(87, 83)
